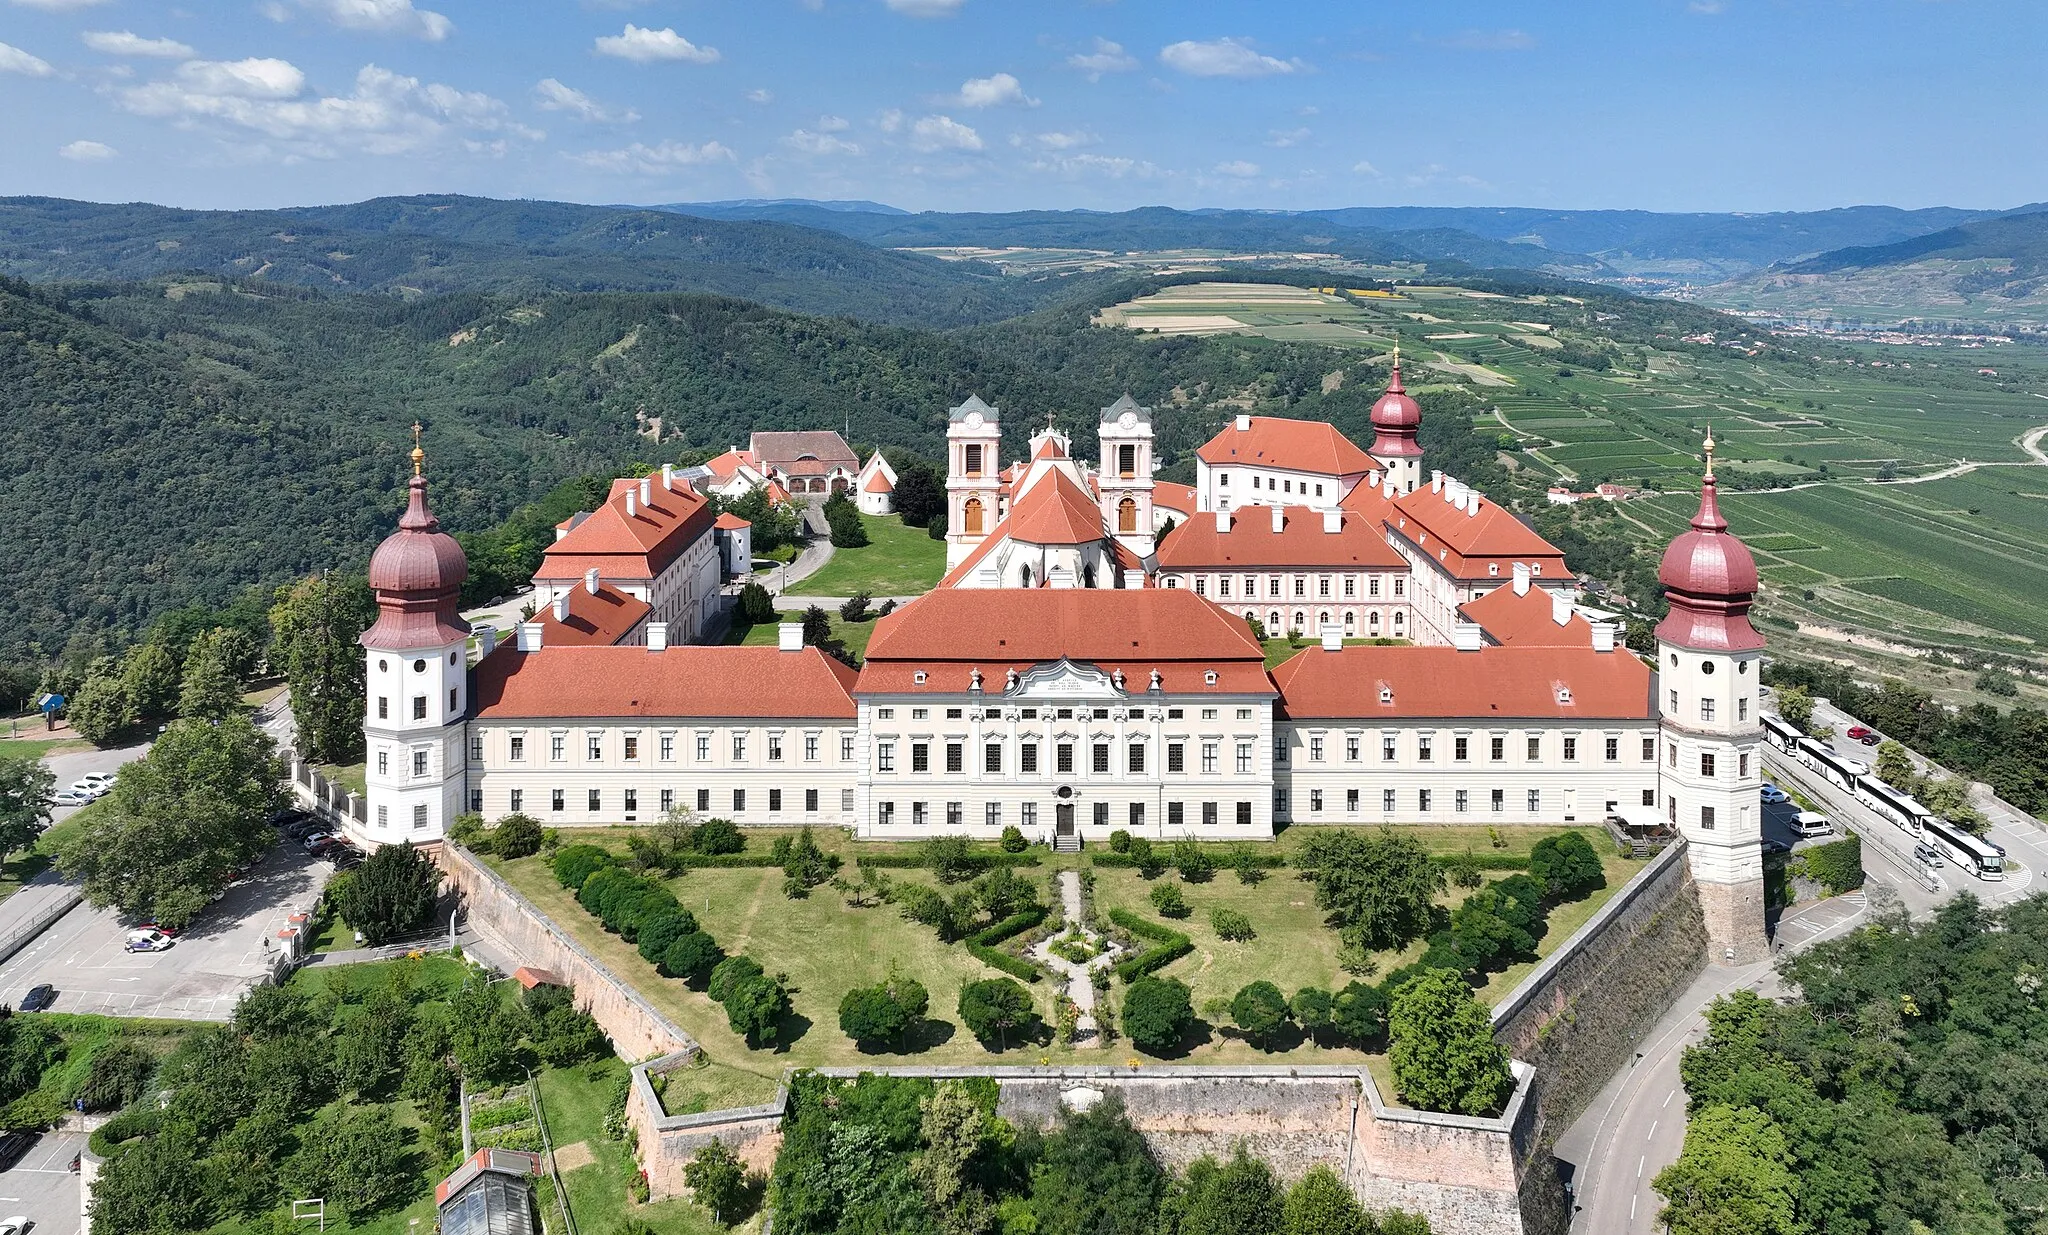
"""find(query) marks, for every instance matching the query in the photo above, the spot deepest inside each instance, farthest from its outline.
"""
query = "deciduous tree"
(1260, 1010)
(25, 786)
(1157, 1013)
(1443, 1053)
(1734, 1177)
(392, 895)
(994, 1007)
(1377, 889)
(718, 1181)
(314, 625)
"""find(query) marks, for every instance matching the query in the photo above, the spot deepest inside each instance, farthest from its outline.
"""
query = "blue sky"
(987, 105)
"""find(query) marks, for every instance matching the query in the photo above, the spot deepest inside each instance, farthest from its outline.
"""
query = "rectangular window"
(1706, 763)
(775, 748)
(1461, 802)
(920, 756)
(846, 799)
(476, 748)
(1176, 756)
(1315, 801)
(419, 763)
(1351, 748)
(739, 801)
(1372, 587)
(774, 800)
(1223, 585)
(846, 748)
(668, 800)
(1244, 814)
(1387, 748)
(1742, 765)
(476, 801)
(1422, 800)
(1350, 588)
(1649, 749)
(1315, 747)
(383, 763)
(703, 748)
(739, 747)
(596, 799)
(1649, 797)
(518, 800)
(1351, 801)
(1136, 816)
(1030, 812)
(1613, 749)
(953, 815)
(1300, 586)
(1674, 703)
(885, 813)
(1671, 754)
(1535, 801)
(1498, 749)
(1387, 801)
(451, 701)
(1136, 763)
(956, 756)
(1279, 746)
(1101, 814)
(665, 749)
(1175, 815)
(1742, 708)
(1064, 757)
(810, 801)
(1201, 585)
(632, 802)
(383, 708)
(1027, 757)
(1208, 756)
(1461, 749)
(557, 747)
(632, 748)
(593, 747)
(992, 815)
(1208, 814)
(1500, 800)
(703, 799)
(1571, 749)
(885, 756)
(555, 800)
(518, 748)
(419, 707)
(1535, 751)
(1424, 747)
(973, 460)
(1323, 587)
(1706, 709)
(419, 817)
(1707, 818)
(1244, 756)
(992, 757)
(1098, 758)
(1400, 586)
(917, 814)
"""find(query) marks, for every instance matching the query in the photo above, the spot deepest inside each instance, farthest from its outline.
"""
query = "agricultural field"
(1269, 310)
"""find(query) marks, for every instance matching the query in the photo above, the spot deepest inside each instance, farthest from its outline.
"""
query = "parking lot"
(41, 1186)
(222, 954)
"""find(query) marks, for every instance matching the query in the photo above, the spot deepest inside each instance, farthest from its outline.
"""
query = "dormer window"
(1535, 568)
(1564, 694)
(1209, 678)
(1493, 568)
(1386, 694)
(918, 677)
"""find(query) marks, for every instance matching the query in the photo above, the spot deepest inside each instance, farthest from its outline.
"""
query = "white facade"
(974, 439)
(1712, 772)
(415, 754)
(1124, 478)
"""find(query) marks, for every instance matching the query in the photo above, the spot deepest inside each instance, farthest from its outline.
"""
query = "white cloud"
(386, 113)
(1491, 40)
(1707, 8)
(1283, 138)
(1114, 167)
(1107, 57)
(642, 45)
(87, 152)
(890, 121)
(552, 95)
(925, 8)
(1364, 168)
(384, 17)
(1066, 141)
(992, 92)
(943, 133)
(127, 43)
(1223, 58)
(654, 160)
(58, 6)
(15, 60)
(819, 143)
(832, 124)
(760, 96)
(1237, 167)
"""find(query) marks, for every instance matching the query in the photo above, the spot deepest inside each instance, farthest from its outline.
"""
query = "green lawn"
(853, 636)
(37, 747)
(573, 1103)
(897, 561)
(349, 777)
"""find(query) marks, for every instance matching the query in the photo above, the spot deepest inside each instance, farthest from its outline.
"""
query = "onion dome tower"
(1709, 659)
(417, 677)
(1396, 419)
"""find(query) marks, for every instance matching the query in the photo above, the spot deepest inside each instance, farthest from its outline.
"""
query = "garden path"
(1080, 985)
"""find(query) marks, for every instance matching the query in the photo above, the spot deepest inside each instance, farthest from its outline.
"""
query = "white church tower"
(1709, 659)
(1125, 478)
(974, 438)
(416, 755)
(1396, 420)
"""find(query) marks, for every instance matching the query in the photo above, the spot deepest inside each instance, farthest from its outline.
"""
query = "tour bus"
(1975, 854)
(1782, 734)
(1894, 804)
(1842, 773)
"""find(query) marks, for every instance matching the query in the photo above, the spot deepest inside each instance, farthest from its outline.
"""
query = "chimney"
(1333, 639)
(562, 605)
(668, 475)
(1222, 521)
(657, 636)
(1560, 609)
(1279, 519)
(789, 636)
(529, 636)
(1391, 485)
(1466, 637)
(590, 580)
(632, 504)
(646, 490)
(1244, 422)
(486, 641)
(1436, 481)
(1472, 497)
(1521, 578)
(1372, 479)
(1333, 522)
(1603, 636)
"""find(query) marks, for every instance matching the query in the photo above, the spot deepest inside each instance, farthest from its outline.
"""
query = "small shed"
(490, 1194)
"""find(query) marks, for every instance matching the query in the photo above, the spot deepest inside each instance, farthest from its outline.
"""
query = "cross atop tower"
(418, 456)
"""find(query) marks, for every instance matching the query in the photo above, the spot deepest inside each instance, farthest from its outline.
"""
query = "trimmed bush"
(1157, 1013)
(1120, 841)
(516, 836)
(1566, 866)
(1836, 866)
(576, 863)
(982, 944)
(729, 973)
(1013, 839)
(692, 958)
(658, 932)
(1232, 925)
(1170, 945)
(1167, 900)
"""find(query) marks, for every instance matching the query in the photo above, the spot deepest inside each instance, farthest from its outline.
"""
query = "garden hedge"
(1170, 945)
(1836, 866)
(982, 944)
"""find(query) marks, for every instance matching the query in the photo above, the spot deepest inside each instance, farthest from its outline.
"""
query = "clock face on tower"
(1128, 420)
(973, 420)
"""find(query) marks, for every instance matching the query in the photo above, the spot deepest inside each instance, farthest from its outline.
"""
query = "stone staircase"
(1066, 844)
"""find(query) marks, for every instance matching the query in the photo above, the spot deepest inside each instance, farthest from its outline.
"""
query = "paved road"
(200, 978)
(1636, 1127)
(41, 1186)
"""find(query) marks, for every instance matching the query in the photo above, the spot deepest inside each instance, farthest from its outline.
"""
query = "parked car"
(346, 859)
(172, 932)
(1776, 846)
(1860, 732)
(1812, 823)
(1927, 854)
(104, 780)
(300, 829)
(38, 998)
(312, 842)
(17, 1225)
(88, 790)
(1870, 739)
(1775, 795)
(69, 797)
(147, 941)
(12, 1146)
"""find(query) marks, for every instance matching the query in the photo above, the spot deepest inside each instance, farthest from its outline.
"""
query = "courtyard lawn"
(897, 561)
(852, 636)
(573, 1103)
(349, 776)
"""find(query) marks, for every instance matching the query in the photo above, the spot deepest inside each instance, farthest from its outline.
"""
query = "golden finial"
(418, 456)
(1710, 452)
(1397, 353)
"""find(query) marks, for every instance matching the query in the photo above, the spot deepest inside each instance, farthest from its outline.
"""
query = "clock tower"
(1125, 478)
(974, 439)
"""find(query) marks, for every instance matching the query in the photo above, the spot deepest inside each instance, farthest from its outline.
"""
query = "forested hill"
(169, 450)
(2021, 239)
(426, 245)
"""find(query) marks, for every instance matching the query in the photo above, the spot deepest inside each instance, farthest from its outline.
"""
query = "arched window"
(1373, 623)
(1350, 623)
(1127, 515)
(1300, 621)
(1087, 576)
(1026, 576)
(1398, 615)
(970, 517)
(1273, 621)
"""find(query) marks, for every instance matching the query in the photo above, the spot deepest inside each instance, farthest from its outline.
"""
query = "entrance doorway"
(1063, 820)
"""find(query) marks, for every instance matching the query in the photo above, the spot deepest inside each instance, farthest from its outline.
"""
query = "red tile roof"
(1007, 625)
(879, 483)
(596, 619)
(1466, 545)
(1048, 448)
(787, 451)
(637, 547)
(682, 681)
(725, 466)
(729, 521)
(1055, 511)
(1297, 445)
(1179, 499)
(1252, 543)
(1528, 619)
(1491, 684)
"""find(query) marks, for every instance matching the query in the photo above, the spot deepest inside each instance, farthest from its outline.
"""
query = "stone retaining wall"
(666, 1142)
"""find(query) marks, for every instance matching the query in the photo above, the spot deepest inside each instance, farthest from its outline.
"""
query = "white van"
(1812, 823)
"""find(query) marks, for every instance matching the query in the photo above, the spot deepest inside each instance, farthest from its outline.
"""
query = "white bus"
(1842, 773)
(1782, 734)
(1979, 856)
(1894, 804)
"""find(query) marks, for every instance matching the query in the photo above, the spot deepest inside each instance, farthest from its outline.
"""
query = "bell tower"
(1125, 478)
(417, 675)
(1396, 420)
(1709, 660)
(974, 438)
